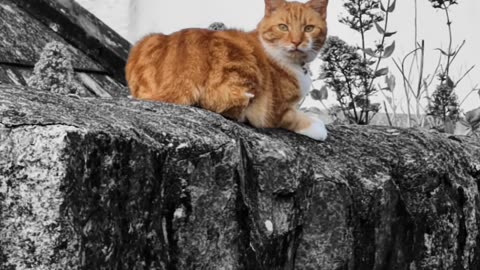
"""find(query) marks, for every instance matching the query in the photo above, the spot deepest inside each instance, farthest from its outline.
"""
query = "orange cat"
(257, 76)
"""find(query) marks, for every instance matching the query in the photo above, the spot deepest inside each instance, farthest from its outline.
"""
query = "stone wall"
(125, 184)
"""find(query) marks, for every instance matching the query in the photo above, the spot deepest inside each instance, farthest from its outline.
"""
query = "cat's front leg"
(316, 130)
(301, 123)
(238, 112)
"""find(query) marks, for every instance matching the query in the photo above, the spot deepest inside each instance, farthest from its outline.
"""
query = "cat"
(256, 77)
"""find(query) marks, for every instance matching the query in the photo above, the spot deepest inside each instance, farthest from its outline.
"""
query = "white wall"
(112, 12)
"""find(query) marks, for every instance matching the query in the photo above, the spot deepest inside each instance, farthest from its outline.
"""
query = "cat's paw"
(316, 130)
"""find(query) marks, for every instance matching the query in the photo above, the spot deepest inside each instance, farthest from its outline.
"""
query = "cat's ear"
(319, 6)
(272, 5)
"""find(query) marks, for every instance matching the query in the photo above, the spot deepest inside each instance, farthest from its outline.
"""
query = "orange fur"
(246, 76)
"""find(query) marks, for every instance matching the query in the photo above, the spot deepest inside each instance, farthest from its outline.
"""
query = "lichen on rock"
(33, 230)
(54, 71)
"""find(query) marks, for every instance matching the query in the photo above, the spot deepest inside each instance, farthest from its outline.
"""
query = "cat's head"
(293, 31)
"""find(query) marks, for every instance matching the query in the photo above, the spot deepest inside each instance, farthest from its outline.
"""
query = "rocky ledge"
(125, 184)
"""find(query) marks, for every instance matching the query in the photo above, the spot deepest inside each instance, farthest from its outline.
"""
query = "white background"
(135, 18)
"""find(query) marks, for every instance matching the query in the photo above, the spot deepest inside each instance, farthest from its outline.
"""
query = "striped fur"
(247, 76)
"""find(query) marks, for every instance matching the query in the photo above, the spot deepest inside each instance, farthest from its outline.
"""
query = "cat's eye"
(308, 28)
(283, 27)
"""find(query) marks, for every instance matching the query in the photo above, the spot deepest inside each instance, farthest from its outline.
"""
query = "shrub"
(444, 103)
(344, 72)
(351, 71)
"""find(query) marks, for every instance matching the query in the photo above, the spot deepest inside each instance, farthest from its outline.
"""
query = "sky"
(140, 17)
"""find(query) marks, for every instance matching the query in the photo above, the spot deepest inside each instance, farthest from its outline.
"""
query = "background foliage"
(355, 73)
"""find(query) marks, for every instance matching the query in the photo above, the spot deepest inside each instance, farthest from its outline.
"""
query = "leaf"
(315, 94)
(370, 52)
(389, 99)
(322, 76)
(321, 94)
(389, 50)
(442, 51)
(390, 81)
(445, 53)
(379, 28)
(374, 107)
(433, 122)
(351, 105)
(473, 118)
(381, 72)
(391, 8)
(361, 101)
(450, 83)
(462, 128)
(384, 88)
(389, 34)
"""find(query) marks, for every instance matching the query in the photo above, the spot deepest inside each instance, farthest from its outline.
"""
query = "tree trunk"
(125, 184)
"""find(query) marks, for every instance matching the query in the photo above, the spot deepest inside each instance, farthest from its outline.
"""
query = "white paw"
(315, 131)
(249, 95)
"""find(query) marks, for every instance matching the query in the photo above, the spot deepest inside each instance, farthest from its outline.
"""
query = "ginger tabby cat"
(258, 76)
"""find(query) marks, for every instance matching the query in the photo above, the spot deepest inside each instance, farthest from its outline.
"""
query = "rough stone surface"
(83, 30)
(125, 184)
(23, 38)
(98, 54)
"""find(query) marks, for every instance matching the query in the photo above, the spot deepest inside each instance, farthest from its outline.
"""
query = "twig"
(407, 95)
(457, 51)
(388, 115)
(370, 85)
(464, 75)
(473, 90)
(450, 38)
(422, 59)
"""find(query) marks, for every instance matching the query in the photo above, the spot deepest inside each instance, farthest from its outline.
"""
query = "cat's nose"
(296, 43)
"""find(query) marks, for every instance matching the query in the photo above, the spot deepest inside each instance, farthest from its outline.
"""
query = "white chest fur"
(303, 77)
(302, 73)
